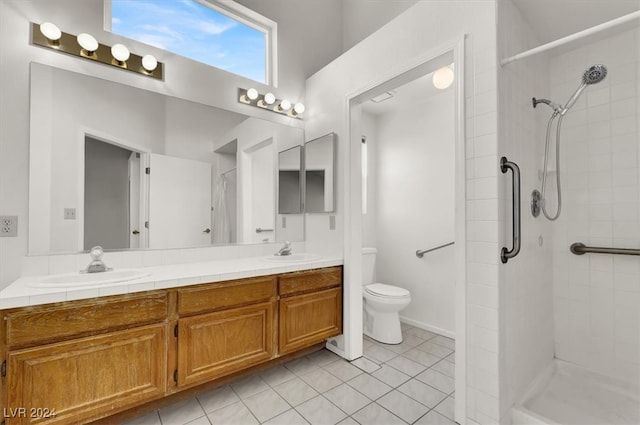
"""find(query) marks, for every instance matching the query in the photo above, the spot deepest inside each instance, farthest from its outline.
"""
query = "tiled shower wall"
(596, 296)
(526, 280)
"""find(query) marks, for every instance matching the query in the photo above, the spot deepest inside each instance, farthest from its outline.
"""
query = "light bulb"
(120, 52)
(299, 108)
(252, 94)
(443, 78)
(51, 31)
(269, 99)
(87, 42)
(149, 63)
(285, 105)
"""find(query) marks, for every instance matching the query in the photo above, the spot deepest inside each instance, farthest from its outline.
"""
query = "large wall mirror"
(319, 168)
(124, 168)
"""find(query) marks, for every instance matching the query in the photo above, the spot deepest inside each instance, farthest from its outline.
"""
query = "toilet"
(382, 303)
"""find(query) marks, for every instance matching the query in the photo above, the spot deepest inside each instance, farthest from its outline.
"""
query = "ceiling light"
(443, 78)
(51, 31)
(149, 63)
(88, 43)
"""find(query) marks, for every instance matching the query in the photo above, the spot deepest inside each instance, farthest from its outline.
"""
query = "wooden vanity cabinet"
(230, 326)
(76, 361)
(310, 309)
(89, 359)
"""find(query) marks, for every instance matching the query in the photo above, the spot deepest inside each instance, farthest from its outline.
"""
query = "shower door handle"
(506, 254)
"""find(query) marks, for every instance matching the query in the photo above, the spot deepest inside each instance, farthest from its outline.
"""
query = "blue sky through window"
(190, 29)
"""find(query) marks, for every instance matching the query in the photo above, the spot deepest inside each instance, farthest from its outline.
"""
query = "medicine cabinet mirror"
(319, 166)
(290, 181)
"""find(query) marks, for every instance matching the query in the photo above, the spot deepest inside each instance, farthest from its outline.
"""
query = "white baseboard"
(427, 327)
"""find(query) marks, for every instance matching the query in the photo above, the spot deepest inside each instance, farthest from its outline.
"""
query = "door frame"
(352, 338)
(144, 152)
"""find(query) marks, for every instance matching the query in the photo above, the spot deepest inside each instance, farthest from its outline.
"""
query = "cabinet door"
(85, 379)
(310, 318)
(217, 344)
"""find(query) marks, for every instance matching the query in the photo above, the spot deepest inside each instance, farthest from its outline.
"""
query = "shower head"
(593, 75)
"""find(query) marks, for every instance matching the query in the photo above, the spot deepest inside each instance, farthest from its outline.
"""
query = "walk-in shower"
(593, 75)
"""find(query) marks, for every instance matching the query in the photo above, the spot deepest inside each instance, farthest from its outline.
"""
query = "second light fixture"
(269, 102)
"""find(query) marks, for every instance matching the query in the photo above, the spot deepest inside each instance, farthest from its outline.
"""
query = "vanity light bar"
(269, 102)
(70, 44)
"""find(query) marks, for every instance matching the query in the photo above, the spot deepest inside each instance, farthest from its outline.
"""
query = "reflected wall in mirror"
(319, 165)
(290, 181)
(144, 170)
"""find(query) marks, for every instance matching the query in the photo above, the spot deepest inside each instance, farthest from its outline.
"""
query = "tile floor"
(408, 383)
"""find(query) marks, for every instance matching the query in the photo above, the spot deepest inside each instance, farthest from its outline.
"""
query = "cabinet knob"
(136, 232)
(207, 231)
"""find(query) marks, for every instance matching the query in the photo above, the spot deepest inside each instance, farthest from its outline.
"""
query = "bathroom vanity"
(79, 361)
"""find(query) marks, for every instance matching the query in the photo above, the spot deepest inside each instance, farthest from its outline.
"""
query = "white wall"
(526, 308)
(596, 296)
(363, 17)
(395, 46)
(413, 178)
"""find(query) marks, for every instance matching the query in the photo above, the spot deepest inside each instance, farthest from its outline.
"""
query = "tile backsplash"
(69, 263)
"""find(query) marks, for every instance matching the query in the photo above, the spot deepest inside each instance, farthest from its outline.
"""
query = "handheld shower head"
(593, 75)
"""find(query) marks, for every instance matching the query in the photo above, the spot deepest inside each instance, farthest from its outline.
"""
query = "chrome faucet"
(285, 250)
(96, 265)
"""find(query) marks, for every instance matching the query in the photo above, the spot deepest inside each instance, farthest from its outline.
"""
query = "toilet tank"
(368, 265)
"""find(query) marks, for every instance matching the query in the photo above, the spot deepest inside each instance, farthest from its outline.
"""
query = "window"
(220, 33)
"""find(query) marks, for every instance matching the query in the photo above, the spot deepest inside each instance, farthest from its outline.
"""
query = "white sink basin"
(293, 258)
(88, 279)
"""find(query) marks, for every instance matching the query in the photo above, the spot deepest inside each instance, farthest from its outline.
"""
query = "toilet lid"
(389, 291)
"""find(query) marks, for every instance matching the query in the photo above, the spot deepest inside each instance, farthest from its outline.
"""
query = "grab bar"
(579, 248)
(420, 253)
(506, 254)
(259, 230)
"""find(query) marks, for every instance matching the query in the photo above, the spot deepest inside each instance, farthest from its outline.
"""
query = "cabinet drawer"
(300, 282)
(61, 321)
(217, 296)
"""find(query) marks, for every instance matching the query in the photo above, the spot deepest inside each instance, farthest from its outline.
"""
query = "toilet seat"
(386, 291)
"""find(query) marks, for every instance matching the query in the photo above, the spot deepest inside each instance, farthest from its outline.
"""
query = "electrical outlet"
(69, 213)
(8, 226)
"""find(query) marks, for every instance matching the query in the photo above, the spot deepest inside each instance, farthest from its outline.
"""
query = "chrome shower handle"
(506, 254)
